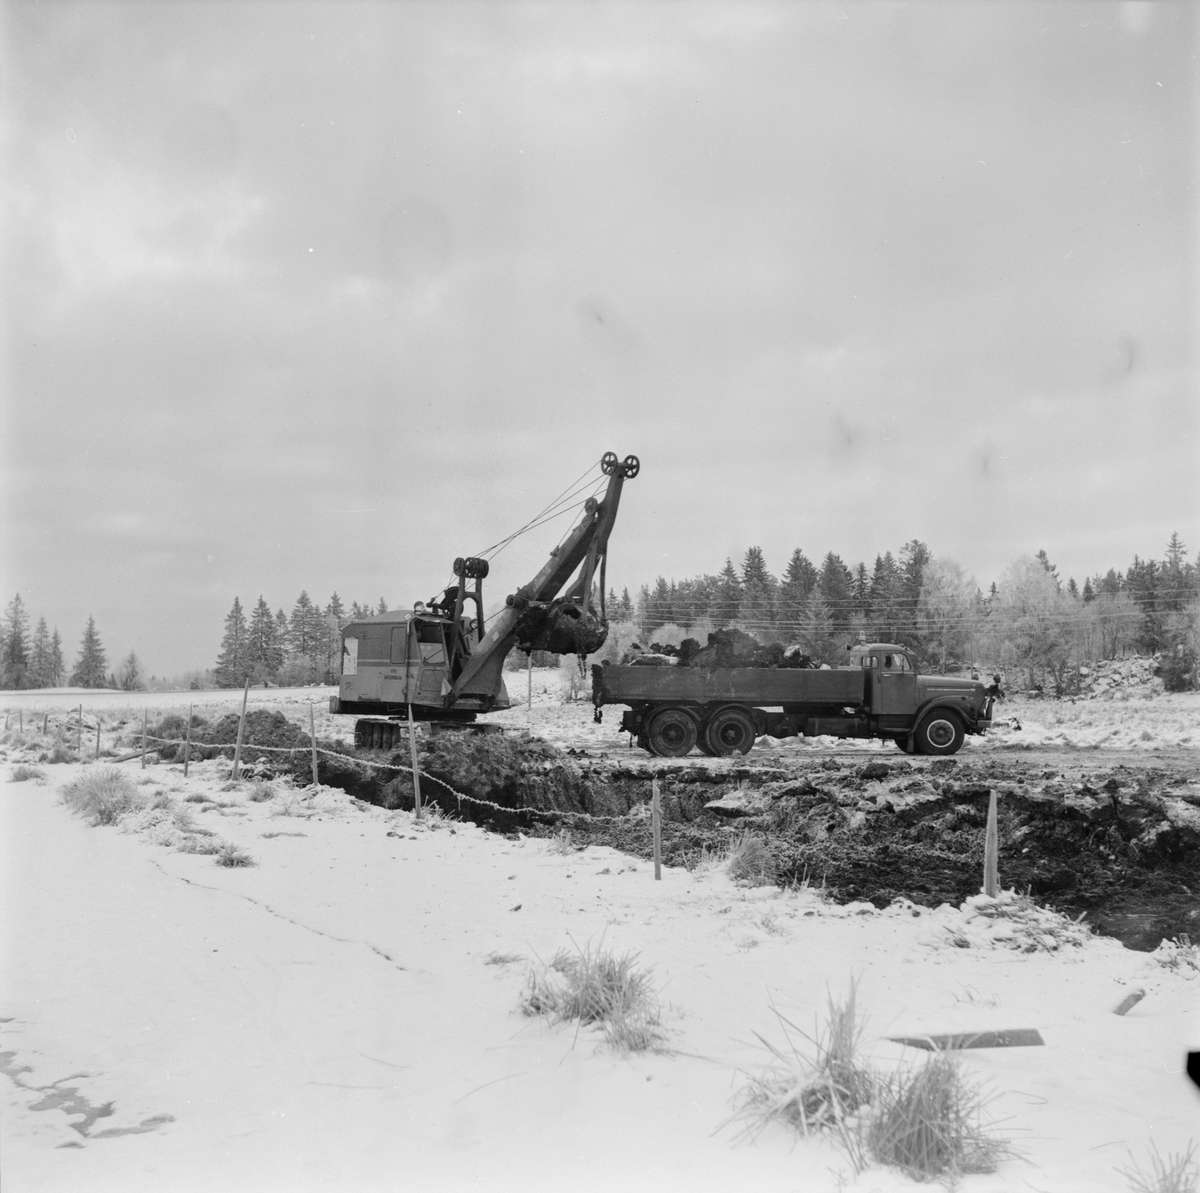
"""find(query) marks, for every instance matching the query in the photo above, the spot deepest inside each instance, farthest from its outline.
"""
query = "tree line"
(303, 648)
(1028, 620)
(35, 659)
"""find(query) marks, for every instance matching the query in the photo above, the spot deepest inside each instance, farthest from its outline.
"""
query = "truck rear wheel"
(730, 731)
(671, 733)
(941, 732)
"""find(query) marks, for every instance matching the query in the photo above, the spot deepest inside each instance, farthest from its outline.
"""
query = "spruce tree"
(264, 656)
(836, 586)
(758, 591)
(727, 599)
(335, 621)
(58, 666)
(232, 666)
(626, 606)
(92, 663)
(1089, 594)
(301, 637)
(14, 652)
(799, 580)
(40, 673)
(382, 606)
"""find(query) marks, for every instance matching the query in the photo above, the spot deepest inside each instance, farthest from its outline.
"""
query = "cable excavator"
(439, 663)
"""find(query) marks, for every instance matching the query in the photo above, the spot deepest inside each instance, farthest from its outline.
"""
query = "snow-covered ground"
(329, 1018)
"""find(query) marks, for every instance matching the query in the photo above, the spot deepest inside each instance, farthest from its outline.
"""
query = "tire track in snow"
(386, 956)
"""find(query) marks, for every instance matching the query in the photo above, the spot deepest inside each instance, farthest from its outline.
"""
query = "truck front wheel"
(671, 733)
(731, 731)
(941, 732)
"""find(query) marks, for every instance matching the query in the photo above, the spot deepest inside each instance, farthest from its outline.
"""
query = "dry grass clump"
(819, 1091)
(748, 860)
(261, 791)
(502, 958)
(927, 1121)
(1178, 1173)
(232, 855)
(562, 842)
(22, 773)
(597, 987)
(60, 752)
(102, 795)
(224, 853)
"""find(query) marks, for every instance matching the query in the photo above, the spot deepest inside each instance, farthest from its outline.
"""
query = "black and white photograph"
(599, 595)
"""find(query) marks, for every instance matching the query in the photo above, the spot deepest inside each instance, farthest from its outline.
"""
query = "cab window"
(896, 662)
(431, 642)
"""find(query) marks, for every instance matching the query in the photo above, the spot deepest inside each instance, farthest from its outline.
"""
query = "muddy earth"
(1099, 834)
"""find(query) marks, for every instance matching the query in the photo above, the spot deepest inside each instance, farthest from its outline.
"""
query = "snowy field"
(345, 1014)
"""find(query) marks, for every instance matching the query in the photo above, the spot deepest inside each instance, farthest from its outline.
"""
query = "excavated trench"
(1118, 843)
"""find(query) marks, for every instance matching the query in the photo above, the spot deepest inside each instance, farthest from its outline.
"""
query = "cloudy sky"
(323, 295)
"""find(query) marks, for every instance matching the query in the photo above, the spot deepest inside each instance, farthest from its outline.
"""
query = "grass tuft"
(260, 792)
(102, 795)
(597, 987)
(750, 861)
(21, 773)
(231, 855)
(926, 1121)
(1177, 1173)
(502, 958)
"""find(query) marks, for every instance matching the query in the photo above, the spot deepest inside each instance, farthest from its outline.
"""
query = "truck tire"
(730, 731)
(671, 733)
(940, 732)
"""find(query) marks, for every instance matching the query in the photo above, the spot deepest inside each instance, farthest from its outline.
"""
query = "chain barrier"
(458, 795)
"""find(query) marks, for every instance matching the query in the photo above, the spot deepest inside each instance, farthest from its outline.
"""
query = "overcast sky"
(321, 296)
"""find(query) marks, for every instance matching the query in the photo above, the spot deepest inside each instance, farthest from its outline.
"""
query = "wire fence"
(460, 796)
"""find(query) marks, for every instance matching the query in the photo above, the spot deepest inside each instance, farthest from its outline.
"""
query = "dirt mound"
(506, 772)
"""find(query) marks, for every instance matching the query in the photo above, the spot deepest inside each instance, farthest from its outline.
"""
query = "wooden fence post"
(656, 829)
(312, 736)
(237, 750)
(412, 750)
(45, 722)
(79, 734)
(187, 741)
(991, 852)
(143, 739)
(21, 720)
(97, 735)
(529, 682)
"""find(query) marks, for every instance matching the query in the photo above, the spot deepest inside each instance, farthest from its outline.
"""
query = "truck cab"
(905, 703)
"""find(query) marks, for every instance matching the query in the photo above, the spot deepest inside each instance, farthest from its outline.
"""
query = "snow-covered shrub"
(1179, 955)
(22, 773)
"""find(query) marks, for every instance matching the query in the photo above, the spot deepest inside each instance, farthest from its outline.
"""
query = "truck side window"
(902, 663)
(875, 661)
(887, 662)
